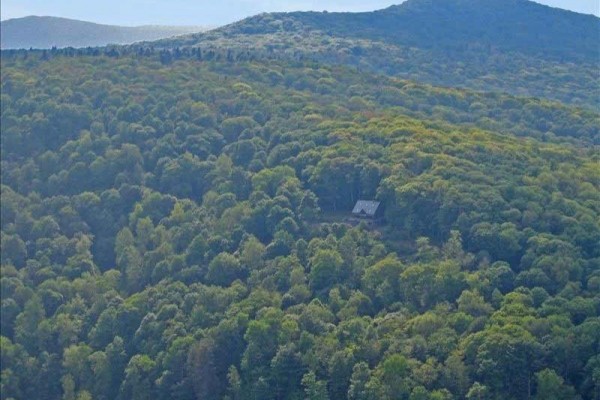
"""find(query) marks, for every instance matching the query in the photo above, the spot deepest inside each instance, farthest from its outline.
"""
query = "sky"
(205, 12)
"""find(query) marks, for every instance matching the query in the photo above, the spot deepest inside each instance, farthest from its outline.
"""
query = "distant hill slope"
(47, 32)
(502, 25)
(516, 46)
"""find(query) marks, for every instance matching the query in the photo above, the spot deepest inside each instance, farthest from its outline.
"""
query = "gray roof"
(366, 207)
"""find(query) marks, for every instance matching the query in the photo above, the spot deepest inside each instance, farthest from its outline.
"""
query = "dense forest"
(176, 216)
(514, 46)
(176, 225)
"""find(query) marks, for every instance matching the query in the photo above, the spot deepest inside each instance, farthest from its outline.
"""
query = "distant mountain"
(47, 32)
(502, 25)
(516, 46)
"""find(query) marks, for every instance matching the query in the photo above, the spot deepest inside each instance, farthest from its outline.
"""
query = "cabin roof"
(366, 207)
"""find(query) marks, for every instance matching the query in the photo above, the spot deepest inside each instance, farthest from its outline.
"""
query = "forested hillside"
(175, 225)
(513, 46)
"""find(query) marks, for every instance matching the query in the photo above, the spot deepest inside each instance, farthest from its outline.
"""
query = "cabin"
(368, 209)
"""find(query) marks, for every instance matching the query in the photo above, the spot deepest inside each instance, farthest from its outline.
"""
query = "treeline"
(164, 236)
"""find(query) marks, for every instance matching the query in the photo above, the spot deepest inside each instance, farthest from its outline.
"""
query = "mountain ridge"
(48, 31)
(516, 46)
(570, 30)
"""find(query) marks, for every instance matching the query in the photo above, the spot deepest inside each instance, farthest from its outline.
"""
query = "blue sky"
(205, 12)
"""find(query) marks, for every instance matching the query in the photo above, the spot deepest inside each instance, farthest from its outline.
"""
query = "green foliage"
(551, 386)
(224, 269)
(325, 269)
(510, 46)
(182, 230)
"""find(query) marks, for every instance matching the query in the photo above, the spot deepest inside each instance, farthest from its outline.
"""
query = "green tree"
(478, 392)
(551, 386)
(13, 250)
(26, 324)
(252, 254)
(224, 269)
(382, 280)
(358, 382)
(314, 389)
(324, 270)
(394, 376)
(201, 370)
(139, 383)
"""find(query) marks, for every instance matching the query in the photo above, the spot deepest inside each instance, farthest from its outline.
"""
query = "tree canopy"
(178, 228)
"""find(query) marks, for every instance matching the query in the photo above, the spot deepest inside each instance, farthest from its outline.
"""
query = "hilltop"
(514, 46)
(48, 32)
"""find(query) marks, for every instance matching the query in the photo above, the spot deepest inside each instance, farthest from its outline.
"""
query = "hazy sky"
(205, 12)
